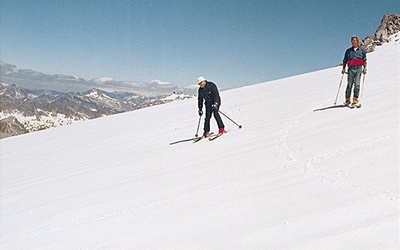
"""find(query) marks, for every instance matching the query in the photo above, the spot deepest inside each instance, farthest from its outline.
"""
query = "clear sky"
(232, 43)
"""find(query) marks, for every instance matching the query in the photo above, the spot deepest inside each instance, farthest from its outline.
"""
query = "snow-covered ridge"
(40, 111)
(45, 120)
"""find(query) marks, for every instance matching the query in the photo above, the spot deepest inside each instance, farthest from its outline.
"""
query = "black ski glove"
(215, 106)
(200, 112)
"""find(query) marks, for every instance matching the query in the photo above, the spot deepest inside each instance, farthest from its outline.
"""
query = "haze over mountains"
(33, 80)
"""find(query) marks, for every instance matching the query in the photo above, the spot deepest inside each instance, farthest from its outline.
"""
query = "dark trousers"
(209, 112)
(353, 78)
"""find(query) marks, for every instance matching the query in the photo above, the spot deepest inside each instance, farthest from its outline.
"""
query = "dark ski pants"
(353, 78)
(209, 112)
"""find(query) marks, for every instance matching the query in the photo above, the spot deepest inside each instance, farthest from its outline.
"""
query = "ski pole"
(240, 126)
(198, 126)
(362, 90)
(340, 84)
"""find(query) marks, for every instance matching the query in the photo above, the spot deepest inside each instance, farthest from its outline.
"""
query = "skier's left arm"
(365, 67)
(216, 97)
(365, 61)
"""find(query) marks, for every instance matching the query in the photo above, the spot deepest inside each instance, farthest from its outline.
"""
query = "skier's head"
(201, 81)
(355, 41)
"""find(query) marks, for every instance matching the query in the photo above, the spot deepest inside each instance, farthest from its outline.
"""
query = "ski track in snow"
(315, 165)
(285, 133)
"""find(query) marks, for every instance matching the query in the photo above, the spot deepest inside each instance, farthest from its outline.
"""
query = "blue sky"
(232, 43)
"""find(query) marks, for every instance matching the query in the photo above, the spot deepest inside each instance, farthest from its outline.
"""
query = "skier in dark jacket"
(209, 95)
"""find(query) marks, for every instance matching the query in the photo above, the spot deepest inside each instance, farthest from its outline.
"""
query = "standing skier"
(208, 93)
(356, 60)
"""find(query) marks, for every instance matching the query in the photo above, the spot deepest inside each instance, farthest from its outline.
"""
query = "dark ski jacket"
(355, 58)
(209, 94)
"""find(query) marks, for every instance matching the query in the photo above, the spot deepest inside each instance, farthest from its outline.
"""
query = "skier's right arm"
(345, 59)
(200, 103)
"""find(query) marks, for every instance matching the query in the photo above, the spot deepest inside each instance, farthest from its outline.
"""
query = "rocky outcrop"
(10, 126)
(390, 25)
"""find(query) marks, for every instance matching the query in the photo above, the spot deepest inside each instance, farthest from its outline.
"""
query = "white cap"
(200, 79)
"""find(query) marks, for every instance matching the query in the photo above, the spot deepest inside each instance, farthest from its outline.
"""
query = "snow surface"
(291, 178)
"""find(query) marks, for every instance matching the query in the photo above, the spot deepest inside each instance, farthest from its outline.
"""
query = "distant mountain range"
(24, 110)
(30, 79)
(32, 101)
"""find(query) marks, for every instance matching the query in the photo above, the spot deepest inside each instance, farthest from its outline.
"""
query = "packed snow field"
(291, 178)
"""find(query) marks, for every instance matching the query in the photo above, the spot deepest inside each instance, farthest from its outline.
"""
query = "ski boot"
(356, 103)
(347, 101)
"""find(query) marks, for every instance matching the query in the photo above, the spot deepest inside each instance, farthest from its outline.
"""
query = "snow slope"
(291, 178)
